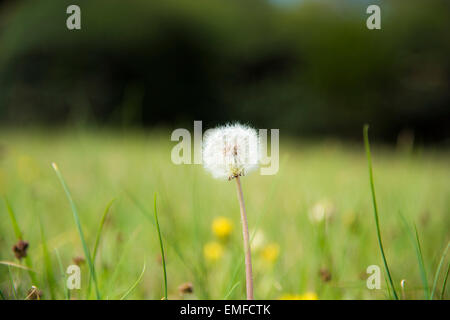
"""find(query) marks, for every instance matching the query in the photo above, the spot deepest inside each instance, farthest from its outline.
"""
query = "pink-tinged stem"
(248, 255)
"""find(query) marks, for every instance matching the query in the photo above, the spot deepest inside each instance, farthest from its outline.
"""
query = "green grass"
(13, 285)
(414, 236)
(131, 167)
(47, 262)
(163, 257)
(375, 210)
(438, 271)
(62, 276)
(129, 291)
(444, 283)
(19, 236)
(87, 254)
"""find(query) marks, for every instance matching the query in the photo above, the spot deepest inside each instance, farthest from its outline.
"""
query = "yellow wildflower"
(222, 227)
(305, 296)
(288, 296)
(270, 252)
(213, 251)
(309, 296)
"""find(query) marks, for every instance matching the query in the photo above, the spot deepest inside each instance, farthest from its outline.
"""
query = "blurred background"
(102, 101)
(310, 68)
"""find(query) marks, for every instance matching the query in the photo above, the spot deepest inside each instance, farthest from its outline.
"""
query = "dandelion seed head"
(321, 211)
(258, 240)
(231, 151)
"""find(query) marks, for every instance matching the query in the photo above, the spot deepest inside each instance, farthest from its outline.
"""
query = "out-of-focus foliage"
(313, 68)
(313, 220)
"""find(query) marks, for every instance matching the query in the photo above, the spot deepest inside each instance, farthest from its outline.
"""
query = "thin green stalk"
(63, 275)
(150, 218)
(375, 208)
(438, 271)
(231, 290)
(126, 248)
(15, 265)
(189, 266)
(80, 230)
(389, 294)
(414, 236)
(129, 291)
(47, 261)
(2, 296)
(97, 239)
(14, 223)
(162, 250)
(100, 228)
(423, 273)
(444, 284)
(12, 283)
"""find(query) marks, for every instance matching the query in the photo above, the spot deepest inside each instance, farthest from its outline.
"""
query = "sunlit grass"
(100, 166)
(375, 209)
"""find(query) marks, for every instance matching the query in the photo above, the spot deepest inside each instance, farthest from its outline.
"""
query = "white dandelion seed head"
(323, 210)
(231, 151)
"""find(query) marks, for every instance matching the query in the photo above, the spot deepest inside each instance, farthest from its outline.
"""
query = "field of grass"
(313, 222)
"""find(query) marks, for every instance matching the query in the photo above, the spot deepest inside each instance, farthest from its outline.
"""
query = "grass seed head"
(186, 288)
(78, 260)
(20, 249)
(325, 274)
(34, 294)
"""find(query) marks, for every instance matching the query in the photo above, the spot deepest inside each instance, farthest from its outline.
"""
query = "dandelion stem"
(248, 255)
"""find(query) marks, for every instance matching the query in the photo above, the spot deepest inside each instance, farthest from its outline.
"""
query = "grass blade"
(97, 239)
(173, 245)
(127, 293)
(231, 290)
(47, 261)
(12, 216)
(423, 273)
(414, 236)
(444, 284)
(63, 275)
(438, 271)
(112, 280)
(100, 228)
(12, 283)
(178, 253)
(375, 208)
(162, 250)
(15, 265)
(80, 230)
(389, 294)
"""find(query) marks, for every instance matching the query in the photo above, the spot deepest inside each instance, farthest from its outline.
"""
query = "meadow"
(313, 222)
